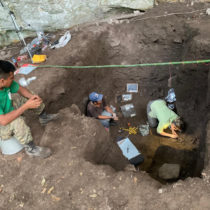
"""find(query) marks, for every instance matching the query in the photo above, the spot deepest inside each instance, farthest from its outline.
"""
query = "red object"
(15, 62)
(22, 57)
(129, 124)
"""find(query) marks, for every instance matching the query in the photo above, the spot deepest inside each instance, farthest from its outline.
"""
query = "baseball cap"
(95, 96)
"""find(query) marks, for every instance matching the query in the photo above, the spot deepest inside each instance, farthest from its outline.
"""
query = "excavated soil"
(87, 170)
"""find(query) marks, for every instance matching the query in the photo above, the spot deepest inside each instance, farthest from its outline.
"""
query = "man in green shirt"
(11, 121)
(160, 115)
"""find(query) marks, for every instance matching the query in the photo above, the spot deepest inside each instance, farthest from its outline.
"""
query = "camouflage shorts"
(18, 127)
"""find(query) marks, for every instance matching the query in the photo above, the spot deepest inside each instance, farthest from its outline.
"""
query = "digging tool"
(130, 130)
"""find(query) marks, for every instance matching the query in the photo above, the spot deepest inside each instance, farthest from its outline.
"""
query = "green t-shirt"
(165, 116)
(5, 98)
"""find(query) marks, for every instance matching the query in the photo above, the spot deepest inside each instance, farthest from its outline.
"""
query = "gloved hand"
(115, 118)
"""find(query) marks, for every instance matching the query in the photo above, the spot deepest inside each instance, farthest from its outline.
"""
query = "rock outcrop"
(54, 14)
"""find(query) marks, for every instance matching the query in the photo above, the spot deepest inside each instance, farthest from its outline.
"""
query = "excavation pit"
(87, 169)
(175, 41)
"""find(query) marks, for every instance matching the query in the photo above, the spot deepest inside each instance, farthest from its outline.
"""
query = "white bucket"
(10, 146)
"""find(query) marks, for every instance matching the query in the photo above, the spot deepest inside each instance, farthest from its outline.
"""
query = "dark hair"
(179, 123)
(5, 68)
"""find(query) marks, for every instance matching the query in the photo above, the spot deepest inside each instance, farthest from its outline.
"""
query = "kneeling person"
(160, 115)
(98, 109)
(11, 121)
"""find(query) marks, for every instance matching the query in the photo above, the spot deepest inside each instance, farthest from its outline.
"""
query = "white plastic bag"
(63, 40)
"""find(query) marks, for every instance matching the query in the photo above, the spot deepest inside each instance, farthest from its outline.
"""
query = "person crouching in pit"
(160, 116)
(98, 109)
(12, 124)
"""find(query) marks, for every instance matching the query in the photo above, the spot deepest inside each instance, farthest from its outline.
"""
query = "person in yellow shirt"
(160, 115)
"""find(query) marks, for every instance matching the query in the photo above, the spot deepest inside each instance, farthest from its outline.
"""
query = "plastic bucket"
(10, 146)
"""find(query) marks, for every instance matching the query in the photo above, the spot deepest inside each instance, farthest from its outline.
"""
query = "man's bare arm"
(32, 103)
(9, 117)
(174, 135)
(24, 92)
(102, 117)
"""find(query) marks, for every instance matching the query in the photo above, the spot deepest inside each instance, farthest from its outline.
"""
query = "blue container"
(10, 146)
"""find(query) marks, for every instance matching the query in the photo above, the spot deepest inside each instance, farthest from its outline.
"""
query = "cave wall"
(58, 14)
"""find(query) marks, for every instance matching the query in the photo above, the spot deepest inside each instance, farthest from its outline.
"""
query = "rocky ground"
(87, 169)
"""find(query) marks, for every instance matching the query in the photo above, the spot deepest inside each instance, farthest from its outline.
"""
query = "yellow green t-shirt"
(5, 98)
(165, 116)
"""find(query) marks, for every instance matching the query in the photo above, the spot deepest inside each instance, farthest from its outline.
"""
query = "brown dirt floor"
(87, 169)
